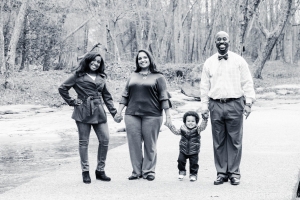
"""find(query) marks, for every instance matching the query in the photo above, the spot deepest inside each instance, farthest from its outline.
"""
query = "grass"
(39, 87)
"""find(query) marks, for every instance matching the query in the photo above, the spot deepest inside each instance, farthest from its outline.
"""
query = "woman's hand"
(118, 118)
(168, 121)
(77, 102)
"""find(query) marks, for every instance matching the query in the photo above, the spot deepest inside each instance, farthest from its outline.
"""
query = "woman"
(90, 85)
(145, 96)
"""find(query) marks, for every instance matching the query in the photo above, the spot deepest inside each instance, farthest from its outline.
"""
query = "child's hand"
(168, 124)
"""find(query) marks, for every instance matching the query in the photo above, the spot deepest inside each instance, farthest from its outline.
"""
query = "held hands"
(118, 118)
(168, 122)
(205, 114)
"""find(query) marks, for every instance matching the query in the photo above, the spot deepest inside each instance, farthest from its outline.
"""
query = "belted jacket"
(92, 93)
(190, 138)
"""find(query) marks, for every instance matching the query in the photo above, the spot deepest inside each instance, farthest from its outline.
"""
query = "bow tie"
(223, 56)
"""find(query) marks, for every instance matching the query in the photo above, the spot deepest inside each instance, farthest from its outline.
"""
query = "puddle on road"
(20, 163)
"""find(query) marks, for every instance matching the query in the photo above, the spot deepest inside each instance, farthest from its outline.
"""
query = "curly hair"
(191, 113)
(86, 60)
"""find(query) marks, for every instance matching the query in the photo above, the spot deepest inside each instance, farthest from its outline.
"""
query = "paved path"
(270, 166)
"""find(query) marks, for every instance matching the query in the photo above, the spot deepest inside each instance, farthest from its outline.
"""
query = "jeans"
(102, 133)
(193, 163)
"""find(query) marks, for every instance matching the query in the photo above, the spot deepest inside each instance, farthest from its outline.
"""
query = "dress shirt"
(229, 78)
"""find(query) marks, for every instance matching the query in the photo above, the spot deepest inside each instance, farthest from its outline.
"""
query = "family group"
(227, 93)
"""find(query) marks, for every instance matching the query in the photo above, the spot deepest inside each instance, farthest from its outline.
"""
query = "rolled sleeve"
(124, 101)
(165, 104)
(163, 95)
(162, 89)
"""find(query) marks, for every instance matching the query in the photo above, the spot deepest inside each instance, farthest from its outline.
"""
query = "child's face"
(190, 122)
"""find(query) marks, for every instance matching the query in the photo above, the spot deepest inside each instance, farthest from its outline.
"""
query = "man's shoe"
(235, 181)
(86, 177)
(150, 177)
(220, 180)
(100, 175)
(132, 177)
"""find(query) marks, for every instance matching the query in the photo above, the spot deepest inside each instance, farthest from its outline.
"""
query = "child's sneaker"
(180, 177)
(193, 178)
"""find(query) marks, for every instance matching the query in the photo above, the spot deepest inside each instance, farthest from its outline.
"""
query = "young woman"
(89, 82)
(145, 96)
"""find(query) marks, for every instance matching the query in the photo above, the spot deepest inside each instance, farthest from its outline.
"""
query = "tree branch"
(263, 29)
(188, 12)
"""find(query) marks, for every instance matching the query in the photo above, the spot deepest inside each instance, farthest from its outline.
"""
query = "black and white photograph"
(150, 99)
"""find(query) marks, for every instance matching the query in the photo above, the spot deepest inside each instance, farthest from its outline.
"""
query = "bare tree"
(11, 54)
(2, 58)
(272, 37)
(247, 11)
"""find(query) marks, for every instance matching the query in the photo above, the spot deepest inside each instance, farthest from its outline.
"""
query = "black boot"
(101, 176)
(86, 177)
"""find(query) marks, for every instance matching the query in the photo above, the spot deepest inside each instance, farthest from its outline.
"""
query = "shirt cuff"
(204, 106)
(249, 100)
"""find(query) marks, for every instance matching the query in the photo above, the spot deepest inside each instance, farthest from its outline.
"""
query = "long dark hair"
(86, 60)
(152, 66)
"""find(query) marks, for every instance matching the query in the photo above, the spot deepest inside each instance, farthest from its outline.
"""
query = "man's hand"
(205, 114)
(247, 110)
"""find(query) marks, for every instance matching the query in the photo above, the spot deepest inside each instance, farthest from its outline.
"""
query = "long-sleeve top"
(190, 138)
(146, 97)
(91, 92)
(229, 78)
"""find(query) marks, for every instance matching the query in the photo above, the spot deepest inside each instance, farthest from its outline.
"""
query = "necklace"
(144, 74)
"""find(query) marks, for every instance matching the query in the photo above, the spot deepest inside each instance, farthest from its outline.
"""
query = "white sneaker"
(180, 177)
(193, 178)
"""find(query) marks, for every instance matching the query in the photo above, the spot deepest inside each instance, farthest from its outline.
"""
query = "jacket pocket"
(78, 113)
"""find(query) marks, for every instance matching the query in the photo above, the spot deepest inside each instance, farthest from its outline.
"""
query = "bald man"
(227, 92)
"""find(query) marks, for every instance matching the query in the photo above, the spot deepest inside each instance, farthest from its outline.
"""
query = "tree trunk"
(24, 44)
(271, 39)
(288, 43)
(178, 34)
(166, 41)
(11, 54)
(245, 16)
(2, 57)
(86, 38)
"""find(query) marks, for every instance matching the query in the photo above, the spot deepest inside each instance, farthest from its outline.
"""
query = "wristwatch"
(249, 104)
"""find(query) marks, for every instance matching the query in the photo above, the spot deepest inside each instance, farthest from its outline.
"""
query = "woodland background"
(41, 40)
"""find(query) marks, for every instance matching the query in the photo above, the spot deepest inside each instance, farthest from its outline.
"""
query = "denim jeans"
(102, 133)
(193, 163)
